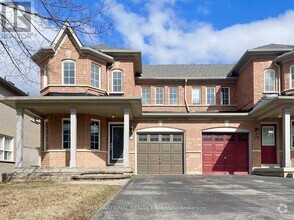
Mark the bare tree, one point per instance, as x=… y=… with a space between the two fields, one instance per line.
x=19 y=43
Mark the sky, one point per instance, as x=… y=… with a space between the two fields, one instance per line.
x=194 y=31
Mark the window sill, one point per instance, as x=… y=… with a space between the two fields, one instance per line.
x=6 y=161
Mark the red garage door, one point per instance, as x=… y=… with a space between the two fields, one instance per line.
x=225 y=153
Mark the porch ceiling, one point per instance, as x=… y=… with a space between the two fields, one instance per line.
x=103 y=106
x=274 y=108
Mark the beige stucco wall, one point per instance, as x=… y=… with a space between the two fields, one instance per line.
x=31 y=134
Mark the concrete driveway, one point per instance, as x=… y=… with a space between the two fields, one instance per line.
x=203 y=197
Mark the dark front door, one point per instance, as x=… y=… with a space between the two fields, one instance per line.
x=268 y=145
x=116 y=143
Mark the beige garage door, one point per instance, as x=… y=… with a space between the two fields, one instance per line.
x=160 y=153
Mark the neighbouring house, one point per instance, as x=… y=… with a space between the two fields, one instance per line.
x=99 y=107
x=8 y=121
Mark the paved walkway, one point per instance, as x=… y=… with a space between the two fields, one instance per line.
x=203 y=197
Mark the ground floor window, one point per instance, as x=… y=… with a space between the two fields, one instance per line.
x=268 y=135
x=95 y=133
x=6 y=148
x=66 y=134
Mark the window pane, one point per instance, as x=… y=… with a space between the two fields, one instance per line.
x=196 y=96
x=1 y=142
x=177 y=138
x=218 y=137
x=7 y=144
x=146 y=95
x=95 y=135
x=117 y=81
x=1 y=155
x=225 y=96
x=210 y=96
x=69 y=72
x=159 y=93
x=292 y=76
x=269 y=80
x=142 y=137
x=173 y=95
x=268 y=135
x=207 y=137
x=66 y=134
x=95 y=72
x=230 y=138
x=154 y=137
x=165 y=137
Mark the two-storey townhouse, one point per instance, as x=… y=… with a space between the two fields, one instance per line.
x=31 y=136
x=100 y=107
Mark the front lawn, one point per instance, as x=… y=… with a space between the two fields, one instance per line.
x=46 y=200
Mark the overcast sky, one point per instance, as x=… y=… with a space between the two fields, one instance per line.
x=195 y=31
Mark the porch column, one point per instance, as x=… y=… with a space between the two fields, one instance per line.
x=126 y=136
x=287 y=137
x=73 y=137
x=19 y=138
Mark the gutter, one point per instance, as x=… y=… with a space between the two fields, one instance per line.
x=185 y=96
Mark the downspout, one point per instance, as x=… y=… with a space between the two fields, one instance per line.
x=279 y=77
x=185 y=96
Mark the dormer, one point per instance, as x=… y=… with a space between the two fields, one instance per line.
x=68 y=67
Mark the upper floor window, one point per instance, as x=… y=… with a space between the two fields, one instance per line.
x=173 y=95
x=95 y=75
x=66 y=134
x=210 y=95
x=95 y=135
x=269 y=80
x=291 y=77
x=69 y=72
x=145 y=95
x=196 y=96
x=117 y=81
x=6 y=148
x=159 y=95
x=225 y=96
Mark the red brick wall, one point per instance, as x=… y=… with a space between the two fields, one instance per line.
x=285 y=75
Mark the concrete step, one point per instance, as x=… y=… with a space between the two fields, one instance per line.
x=106 y=172
x=101 y=176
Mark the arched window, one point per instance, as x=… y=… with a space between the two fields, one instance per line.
x=117 y=81
x=68 y=72
x=269 y=80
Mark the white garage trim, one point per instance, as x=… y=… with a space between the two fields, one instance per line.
x=159 y=129
x=235 y=130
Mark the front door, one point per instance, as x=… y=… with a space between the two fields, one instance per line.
x=116 y=143
x=268 y=145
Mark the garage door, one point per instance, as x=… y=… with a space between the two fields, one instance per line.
x=225 y=153
x=160 y=153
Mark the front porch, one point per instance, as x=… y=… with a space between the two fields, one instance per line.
x=277 y=116
x=78 y=132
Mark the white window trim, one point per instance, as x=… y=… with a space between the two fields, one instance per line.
x=99 y=78
x=72 y=61
x=169 y=88
x=63 y=119
x=12 y=148
x=214 y=95
x=149 y=94
x=45 y=76
x=268 y=126
x=200 y=98
x=99 y=137
x=122 y=88
x=229 y=95
x=290 y=78
x=275 y=78
x=292 y=148
x=44 y=133
x=156 y=98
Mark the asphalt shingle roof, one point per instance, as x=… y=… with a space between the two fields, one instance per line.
x=107 y=47
x=196 y=71
x=275 y=47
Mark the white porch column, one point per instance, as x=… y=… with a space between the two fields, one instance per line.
x=287 y=137
x=126 y=136
x=73 y=137
x=19 y=138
